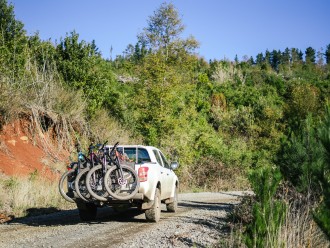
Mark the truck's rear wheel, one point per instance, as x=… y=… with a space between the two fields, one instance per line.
x=173 y=206
x=153 y=214
x=87 y=211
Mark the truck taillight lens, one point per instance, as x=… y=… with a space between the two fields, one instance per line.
x=143 y=174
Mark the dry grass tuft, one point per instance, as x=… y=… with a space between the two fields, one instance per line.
x=20 y=195
x=299 y=229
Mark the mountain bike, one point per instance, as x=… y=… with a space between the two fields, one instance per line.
x=68 y=178
x=80 y=182
x=67 y=181
x=119 y=181
x=95 y=176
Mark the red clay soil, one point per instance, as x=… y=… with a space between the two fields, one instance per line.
x=19 y=156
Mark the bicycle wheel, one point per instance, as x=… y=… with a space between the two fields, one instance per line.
x=80 y=185
x=67 y=181
x=95 y=185
x=121 y=188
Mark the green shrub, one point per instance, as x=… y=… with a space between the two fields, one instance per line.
x=268 y=213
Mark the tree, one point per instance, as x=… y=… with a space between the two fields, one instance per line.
x=259 y=59
x=42 y=52
x=327 y=55
x=275 y=58
x=310 y=55
x=163 y=27
x=236 y=59
x=296 y=55
x=267 y=57
x=13 y=42
x=75 y=58
x=251 y=61
x=164 y=30
x=320 y=57
x=322 y=214
x=286 y=56
x=82 y=68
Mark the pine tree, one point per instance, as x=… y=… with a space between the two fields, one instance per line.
x=327 y=55
x=267 y=57
x=310 y=55
x=275 y=58
x=259 y=59
x=286 y=56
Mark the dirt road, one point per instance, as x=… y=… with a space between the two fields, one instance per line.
x=197 y=223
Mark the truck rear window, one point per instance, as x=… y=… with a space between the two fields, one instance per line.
x=131 y=153
x=143 y=156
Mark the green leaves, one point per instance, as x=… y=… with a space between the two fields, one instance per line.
x=163 y=33
x=13 y=43
x=268 y=213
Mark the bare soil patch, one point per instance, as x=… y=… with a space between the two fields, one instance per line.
x=20 y=154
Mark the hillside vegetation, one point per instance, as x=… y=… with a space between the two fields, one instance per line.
x=261 y=123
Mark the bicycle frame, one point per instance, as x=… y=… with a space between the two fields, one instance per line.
x=113 y=156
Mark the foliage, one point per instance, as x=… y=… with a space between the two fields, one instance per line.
x=300 y=159
x=13 y=43
x=322 y=214
x=219 y=119
x=82 y=68
x=164 y=30
x=268 y=213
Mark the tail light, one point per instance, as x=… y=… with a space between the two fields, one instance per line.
x=143 y=174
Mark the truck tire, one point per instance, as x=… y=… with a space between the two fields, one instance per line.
x=173 y=206
x=87 y=211
x=153 y=214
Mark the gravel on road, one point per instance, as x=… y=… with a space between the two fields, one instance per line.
x=197 y=223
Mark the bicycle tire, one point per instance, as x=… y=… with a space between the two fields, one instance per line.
x=80 y=185
x=122 y=192
x=93 y=184
x=66 y=178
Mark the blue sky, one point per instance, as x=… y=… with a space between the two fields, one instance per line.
x=224 y=28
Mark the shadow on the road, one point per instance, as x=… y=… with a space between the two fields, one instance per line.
x=54 y=217
x=71 y=217
x=239 y=195
x=207 y=205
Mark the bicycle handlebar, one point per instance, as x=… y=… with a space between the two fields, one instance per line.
x=91 y=146
x=114 y=147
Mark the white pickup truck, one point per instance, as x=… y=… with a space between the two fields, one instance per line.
x=158 y=184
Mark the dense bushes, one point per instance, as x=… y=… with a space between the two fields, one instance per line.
x=221 y=119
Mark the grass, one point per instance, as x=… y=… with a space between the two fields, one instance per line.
x=19 y=196
x=297 y=230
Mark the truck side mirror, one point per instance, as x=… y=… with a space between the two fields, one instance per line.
x=174 y=165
